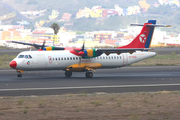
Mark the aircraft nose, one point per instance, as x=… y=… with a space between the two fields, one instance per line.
x=13 y=64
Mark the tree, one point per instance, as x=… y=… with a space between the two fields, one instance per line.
x=56 y=28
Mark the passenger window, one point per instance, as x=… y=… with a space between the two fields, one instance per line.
x=21 y=56
x=70 y=58
x=73 y=58
x=64 y=58
x=53 y=59
x=61 y=58
x=76 y=58
x=56 y=58
x=67 y=58
x=114 y=57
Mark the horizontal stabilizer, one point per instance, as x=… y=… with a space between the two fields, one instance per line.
x=151 y=25
x=159 y=25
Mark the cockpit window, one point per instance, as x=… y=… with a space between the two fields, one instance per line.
x=26 y=56
x=30 y=56
x=21 y=56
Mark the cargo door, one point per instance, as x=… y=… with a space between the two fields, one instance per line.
x=125 y=58
x=41 y=61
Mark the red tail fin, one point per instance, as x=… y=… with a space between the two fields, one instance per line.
x=143 y=40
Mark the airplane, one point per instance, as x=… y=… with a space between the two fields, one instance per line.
x=86 y=60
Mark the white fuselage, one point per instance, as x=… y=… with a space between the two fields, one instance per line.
x=60 y=60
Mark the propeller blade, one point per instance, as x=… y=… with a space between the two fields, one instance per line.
x=43 y=45
x=82 y=49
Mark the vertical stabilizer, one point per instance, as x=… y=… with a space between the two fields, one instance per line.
x=143 y=40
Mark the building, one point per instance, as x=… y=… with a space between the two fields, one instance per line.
x=11 y=33
x=102 y=36
x=66 y=16
x=54 y=15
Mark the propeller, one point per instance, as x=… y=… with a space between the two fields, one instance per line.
x=82 y=50
x=81 y=53
x=43 y=45
x=41 y=49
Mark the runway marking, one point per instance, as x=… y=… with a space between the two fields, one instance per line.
x=91 y=87
x=8 y=70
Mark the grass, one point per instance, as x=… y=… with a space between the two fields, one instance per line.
x=107 y=106
x=41 y=104
x=97 y=103
x=25 y=111
x=119 y=103
x=5 y=60
x=20 y=101
x=145 y=100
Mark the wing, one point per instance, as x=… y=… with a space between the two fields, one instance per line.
x=38 y=46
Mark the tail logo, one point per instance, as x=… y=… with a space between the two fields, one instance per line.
x=142 y=38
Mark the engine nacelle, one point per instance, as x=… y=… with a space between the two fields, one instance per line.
x=48 y=48
x=52 y=48
x=90 y=53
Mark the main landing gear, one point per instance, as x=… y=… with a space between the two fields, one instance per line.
x=68 y=73
x=87 y=74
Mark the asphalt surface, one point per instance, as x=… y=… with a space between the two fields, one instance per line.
x=126 y=79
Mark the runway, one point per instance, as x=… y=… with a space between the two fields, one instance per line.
x=126 y=79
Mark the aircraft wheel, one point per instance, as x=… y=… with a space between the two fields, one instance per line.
x=19 y=75
x=89 y=74
x=68 y=73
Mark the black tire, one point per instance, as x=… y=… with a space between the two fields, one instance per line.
x=68 y=73
x=89 y=74
x=19 y=75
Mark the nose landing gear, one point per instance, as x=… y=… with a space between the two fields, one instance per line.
x=19 y=75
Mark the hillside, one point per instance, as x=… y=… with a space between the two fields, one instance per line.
x=3 y=10
x=164 y=14
x=70 y=6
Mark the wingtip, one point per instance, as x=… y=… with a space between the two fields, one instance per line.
x=168 y=25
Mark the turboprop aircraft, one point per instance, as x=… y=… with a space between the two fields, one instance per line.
x=86 y=60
